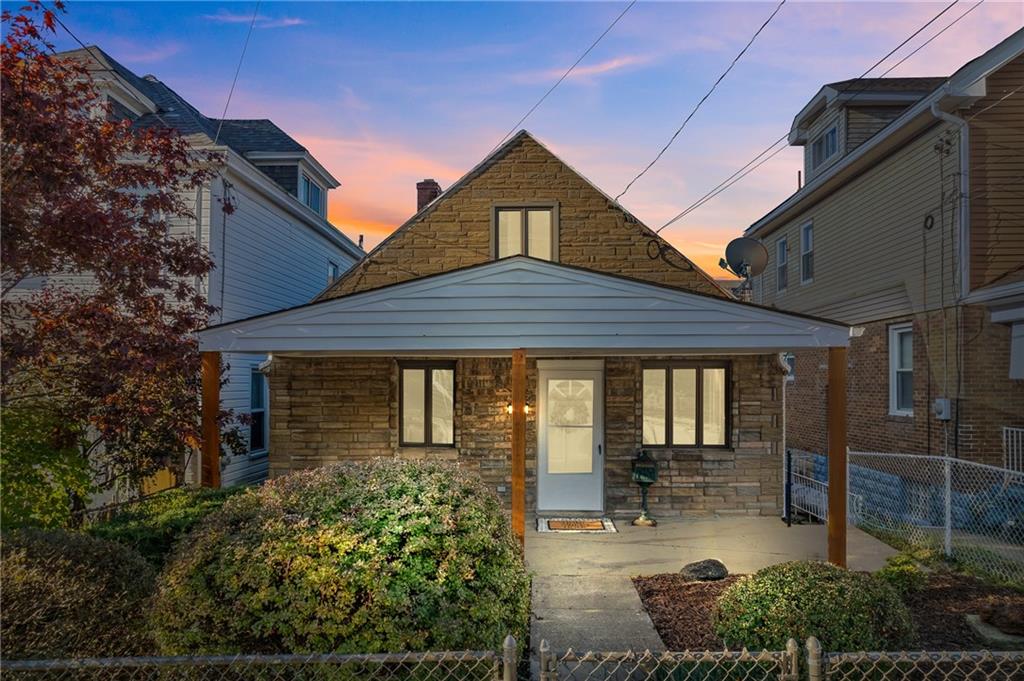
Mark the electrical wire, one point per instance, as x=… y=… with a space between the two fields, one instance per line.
x=238 y=70
x=702 y=100
x=718 y=189
x=564 y=76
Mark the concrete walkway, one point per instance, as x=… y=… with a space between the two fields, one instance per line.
x=583 y=596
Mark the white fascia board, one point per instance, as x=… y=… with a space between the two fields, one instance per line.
x=966 y=84
x=813 y=108
x=406 y=318
x=243 y=169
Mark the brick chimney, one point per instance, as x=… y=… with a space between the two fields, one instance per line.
x=426 y=191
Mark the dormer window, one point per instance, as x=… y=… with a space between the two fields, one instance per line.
x=825 y=146
x=526 y=230
x=312 y=194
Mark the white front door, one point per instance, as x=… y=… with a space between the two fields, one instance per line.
x=570 y=435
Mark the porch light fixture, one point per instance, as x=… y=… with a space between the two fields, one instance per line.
x=508 y=408
x=645 y=474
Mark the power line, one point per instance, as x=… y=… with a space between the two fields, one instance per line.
x=564 y=76
x=238 y=70
x=702 y=100
x=718 y=189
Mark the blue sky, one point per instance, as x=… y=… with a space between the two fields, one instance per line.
x=385 y=94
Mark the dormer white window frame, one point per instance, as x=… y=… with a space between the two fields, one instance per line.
x=317 y=205
x=829 y=146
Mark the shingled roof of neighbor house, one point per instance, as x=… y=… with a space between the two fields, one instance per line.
x=923 y=85
x=241 y=135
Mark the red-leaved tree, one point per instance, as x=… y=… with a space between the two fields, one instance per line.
x=100 y=295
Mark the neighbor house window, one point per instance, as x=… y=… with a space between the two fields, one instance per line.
x=901 y=369
x=332 y=271
x=258 y=423
x=824 y=146
x=781 y=264
x=426 y=404
x=686 y=404
x=807 y=253
x=526 y=230
x=311 y=194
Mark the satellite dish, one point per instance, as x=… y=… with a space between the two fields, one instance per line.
x=746 y=257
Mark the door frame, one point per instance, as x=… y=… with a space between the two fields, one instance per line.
x=558 y=366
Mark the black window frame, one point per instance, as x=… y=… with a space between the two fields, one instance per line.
x=523 y=209
x=428 y=416
x=700 y=365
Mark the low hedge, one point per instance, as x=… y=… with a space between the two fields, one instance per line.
x=844 y=610
x=71 y=595
x=376 y=557
x=152 y=525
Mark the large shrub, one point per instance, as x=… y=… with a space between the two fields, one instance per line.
x=844 y=610
x=71 y=595
x=373 y=557
x=152 y=526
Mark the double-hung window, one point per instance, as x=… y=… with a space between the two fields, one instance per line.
x=311 y=194
x=807 y=253
x=686 y=404
x=332 y=271
x=901 y=369
x=426 y=404
x=824 y=146
x=258 y=423
x=781 y=264
x=529 y=230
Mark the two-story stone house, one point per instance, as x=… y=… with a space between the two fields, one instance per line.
x=273 y=249
x=524 y=325
x=910 y=228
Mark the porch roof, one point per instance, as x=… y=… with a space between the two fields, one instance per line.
x=520 y=302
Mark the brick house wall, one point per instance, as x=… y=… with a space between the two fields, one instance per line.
x=325 y=410
x=988 y=398
x=455 y=231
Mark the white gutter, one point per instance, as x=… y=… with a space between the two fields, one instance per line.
x=965 y=194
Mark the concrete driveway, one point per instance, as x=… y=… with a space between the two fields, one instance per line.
x=583 y=597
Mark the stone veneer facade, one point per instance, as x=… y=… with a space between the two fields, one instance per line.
x=328 y=409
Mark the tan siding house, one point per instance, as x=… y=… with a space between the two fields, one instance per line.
x=917 y=239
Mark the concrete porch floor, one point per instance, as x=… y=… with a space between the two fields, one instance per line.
x=583 y=597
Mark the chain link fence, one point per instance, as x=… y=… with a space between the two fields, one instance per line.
x=810 y=663
x=971 y=513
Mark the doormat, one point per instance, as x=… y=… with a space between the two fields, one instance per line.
x=579 y=525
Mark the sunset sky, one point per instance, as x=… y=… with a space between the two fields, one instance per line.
x=385 y=94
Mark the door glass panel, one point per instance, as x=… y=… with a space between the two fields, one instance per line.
x=654 y=406
x=413 y=407
x=714 y=406
x=441 y=409
x=684 y=406
x=510 y=233
x=570 y=426
x=538 y=239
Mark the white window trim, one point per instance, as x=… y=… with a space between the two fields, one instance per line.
x=821 y=138
x=894 y=332
x=781 y=263
x=319 y=210
x=804 y=251
x=266 y=414
x=333 y=271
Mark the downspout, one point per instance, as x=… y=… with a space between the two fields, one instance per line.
x=785 y=379
x=964 y=251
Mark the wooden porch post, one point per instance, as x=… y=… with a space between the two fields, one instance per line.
x=837 y=456
x=519 y=445
x=210 y=469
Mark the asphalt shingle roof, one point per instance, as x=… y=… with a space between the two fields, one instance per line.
x=911 y=85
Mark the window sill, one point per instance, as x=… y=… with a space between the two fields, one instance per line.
x=900 y=416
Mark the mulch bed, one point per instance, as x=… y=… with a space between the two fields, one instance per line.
x=681 y=610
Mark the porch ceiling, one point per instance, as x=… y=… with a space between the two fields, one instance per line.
x=542 y=307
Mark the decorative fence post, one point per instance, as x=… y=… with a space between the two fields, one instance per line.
x=791 y=667
x=814 y=670
x=547 y=662
x=948 y=520
x=509 y=659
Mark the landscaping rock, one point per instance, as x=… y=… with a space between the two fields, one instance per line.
x=709 y=570
x=1005 y=616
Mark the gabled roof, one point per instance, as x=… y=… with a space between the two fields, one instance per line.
x=520 y=302
x=494 y=157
